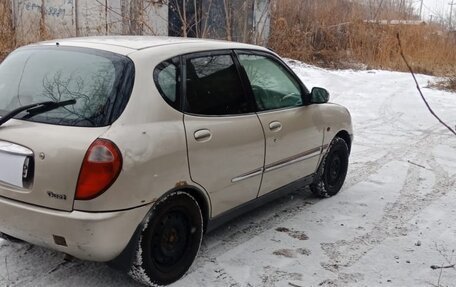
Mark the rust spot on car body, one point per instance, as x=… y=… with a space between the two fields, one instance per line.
x=181 y=183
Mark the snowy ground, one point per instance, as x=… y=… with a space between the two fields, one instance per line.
x=393 y=220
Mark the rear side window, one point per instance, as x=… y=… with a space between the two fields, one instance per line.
x=100 y=82
x=214 y=87
x=166 y=76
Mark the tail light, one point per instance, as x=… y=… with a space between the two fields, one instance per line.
x=100 y=168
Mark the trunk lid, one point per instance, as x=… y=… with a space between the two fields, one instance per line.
x=40 y=163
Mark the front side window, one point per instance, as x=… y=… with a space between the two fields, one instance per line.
x=95 y=80
x=214 y=87
x=272 y=85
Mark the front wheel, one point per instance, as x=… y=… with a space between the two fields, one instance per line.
x=170 y=240
x=332 y=171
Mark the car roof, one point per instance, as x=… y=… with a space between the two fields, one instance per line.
x=128 y=44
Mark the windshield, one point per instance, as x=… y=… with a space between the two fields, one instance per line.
x=100 y=82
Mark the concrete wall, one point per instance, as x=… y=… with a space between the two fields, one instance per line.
x=262 y=21
x=34 y=21
x=39 y=19
x=249 y=20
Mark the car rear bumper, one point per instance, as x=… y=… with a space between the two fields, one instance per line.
x=85 y=235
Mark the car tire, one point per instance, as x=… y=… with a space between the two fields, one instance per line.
x=170 y=240
x=332 y=171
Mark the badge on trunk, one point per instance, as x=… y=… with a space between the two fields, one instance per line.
x=56 y=195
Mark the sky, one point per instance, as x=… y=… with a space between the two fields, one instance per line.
x=437 y=8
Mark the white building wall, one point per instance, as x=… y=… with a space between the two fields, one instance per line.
x=31 y=16
x=157 y=18
x=91 y=17
x=38 y=19
x=262 y=21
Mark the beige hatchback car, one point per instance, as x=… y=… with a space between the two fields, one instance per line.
x=127 y=149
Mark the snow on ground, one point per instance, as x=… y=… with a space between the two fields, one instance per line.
x=392 y=221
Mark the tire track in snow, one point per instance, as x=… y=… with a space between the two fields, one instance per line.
x=404 y=152
x=396 y=218
x=252 y=224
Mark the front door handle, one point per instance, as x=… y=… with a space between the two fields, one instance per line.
x=275 y=126
x=203 y=135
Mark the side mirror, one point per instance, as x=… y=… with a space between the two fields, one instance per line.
x=319 y=96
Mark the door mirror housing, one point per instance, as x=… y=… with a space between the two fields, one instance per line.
x=319 y=96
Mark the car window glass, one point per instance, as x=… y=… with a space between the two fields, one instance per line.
x=272 y=85
x=214 y=87
x=93 y=79
x=166 y=77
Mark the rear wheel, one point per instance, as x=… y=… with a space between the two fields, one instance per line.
x=170 y=240
x=332 y=171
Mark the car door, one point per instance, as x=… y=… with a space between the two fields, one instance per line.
x=293 y=135
x=224 y=135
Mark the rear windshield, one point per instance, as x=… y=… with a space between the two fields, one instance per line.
x=99 y=81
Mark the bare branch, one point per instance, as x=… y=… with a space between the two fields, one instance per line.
x=434 y=267
x=419 y=89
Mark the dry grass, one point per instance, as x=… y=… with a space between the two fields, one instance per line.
x=448 y=84
x=333 y=33
x=451 y=84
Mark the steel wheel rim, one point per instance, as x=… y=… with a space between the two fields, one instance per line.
x=335 y=170
x=171 y=240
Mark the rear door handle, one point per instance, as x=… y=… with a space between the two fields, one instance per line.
x=275 y=126
x=203 y=135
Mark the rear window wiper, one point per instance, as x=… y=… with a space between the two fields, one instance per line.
x=35 y=109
